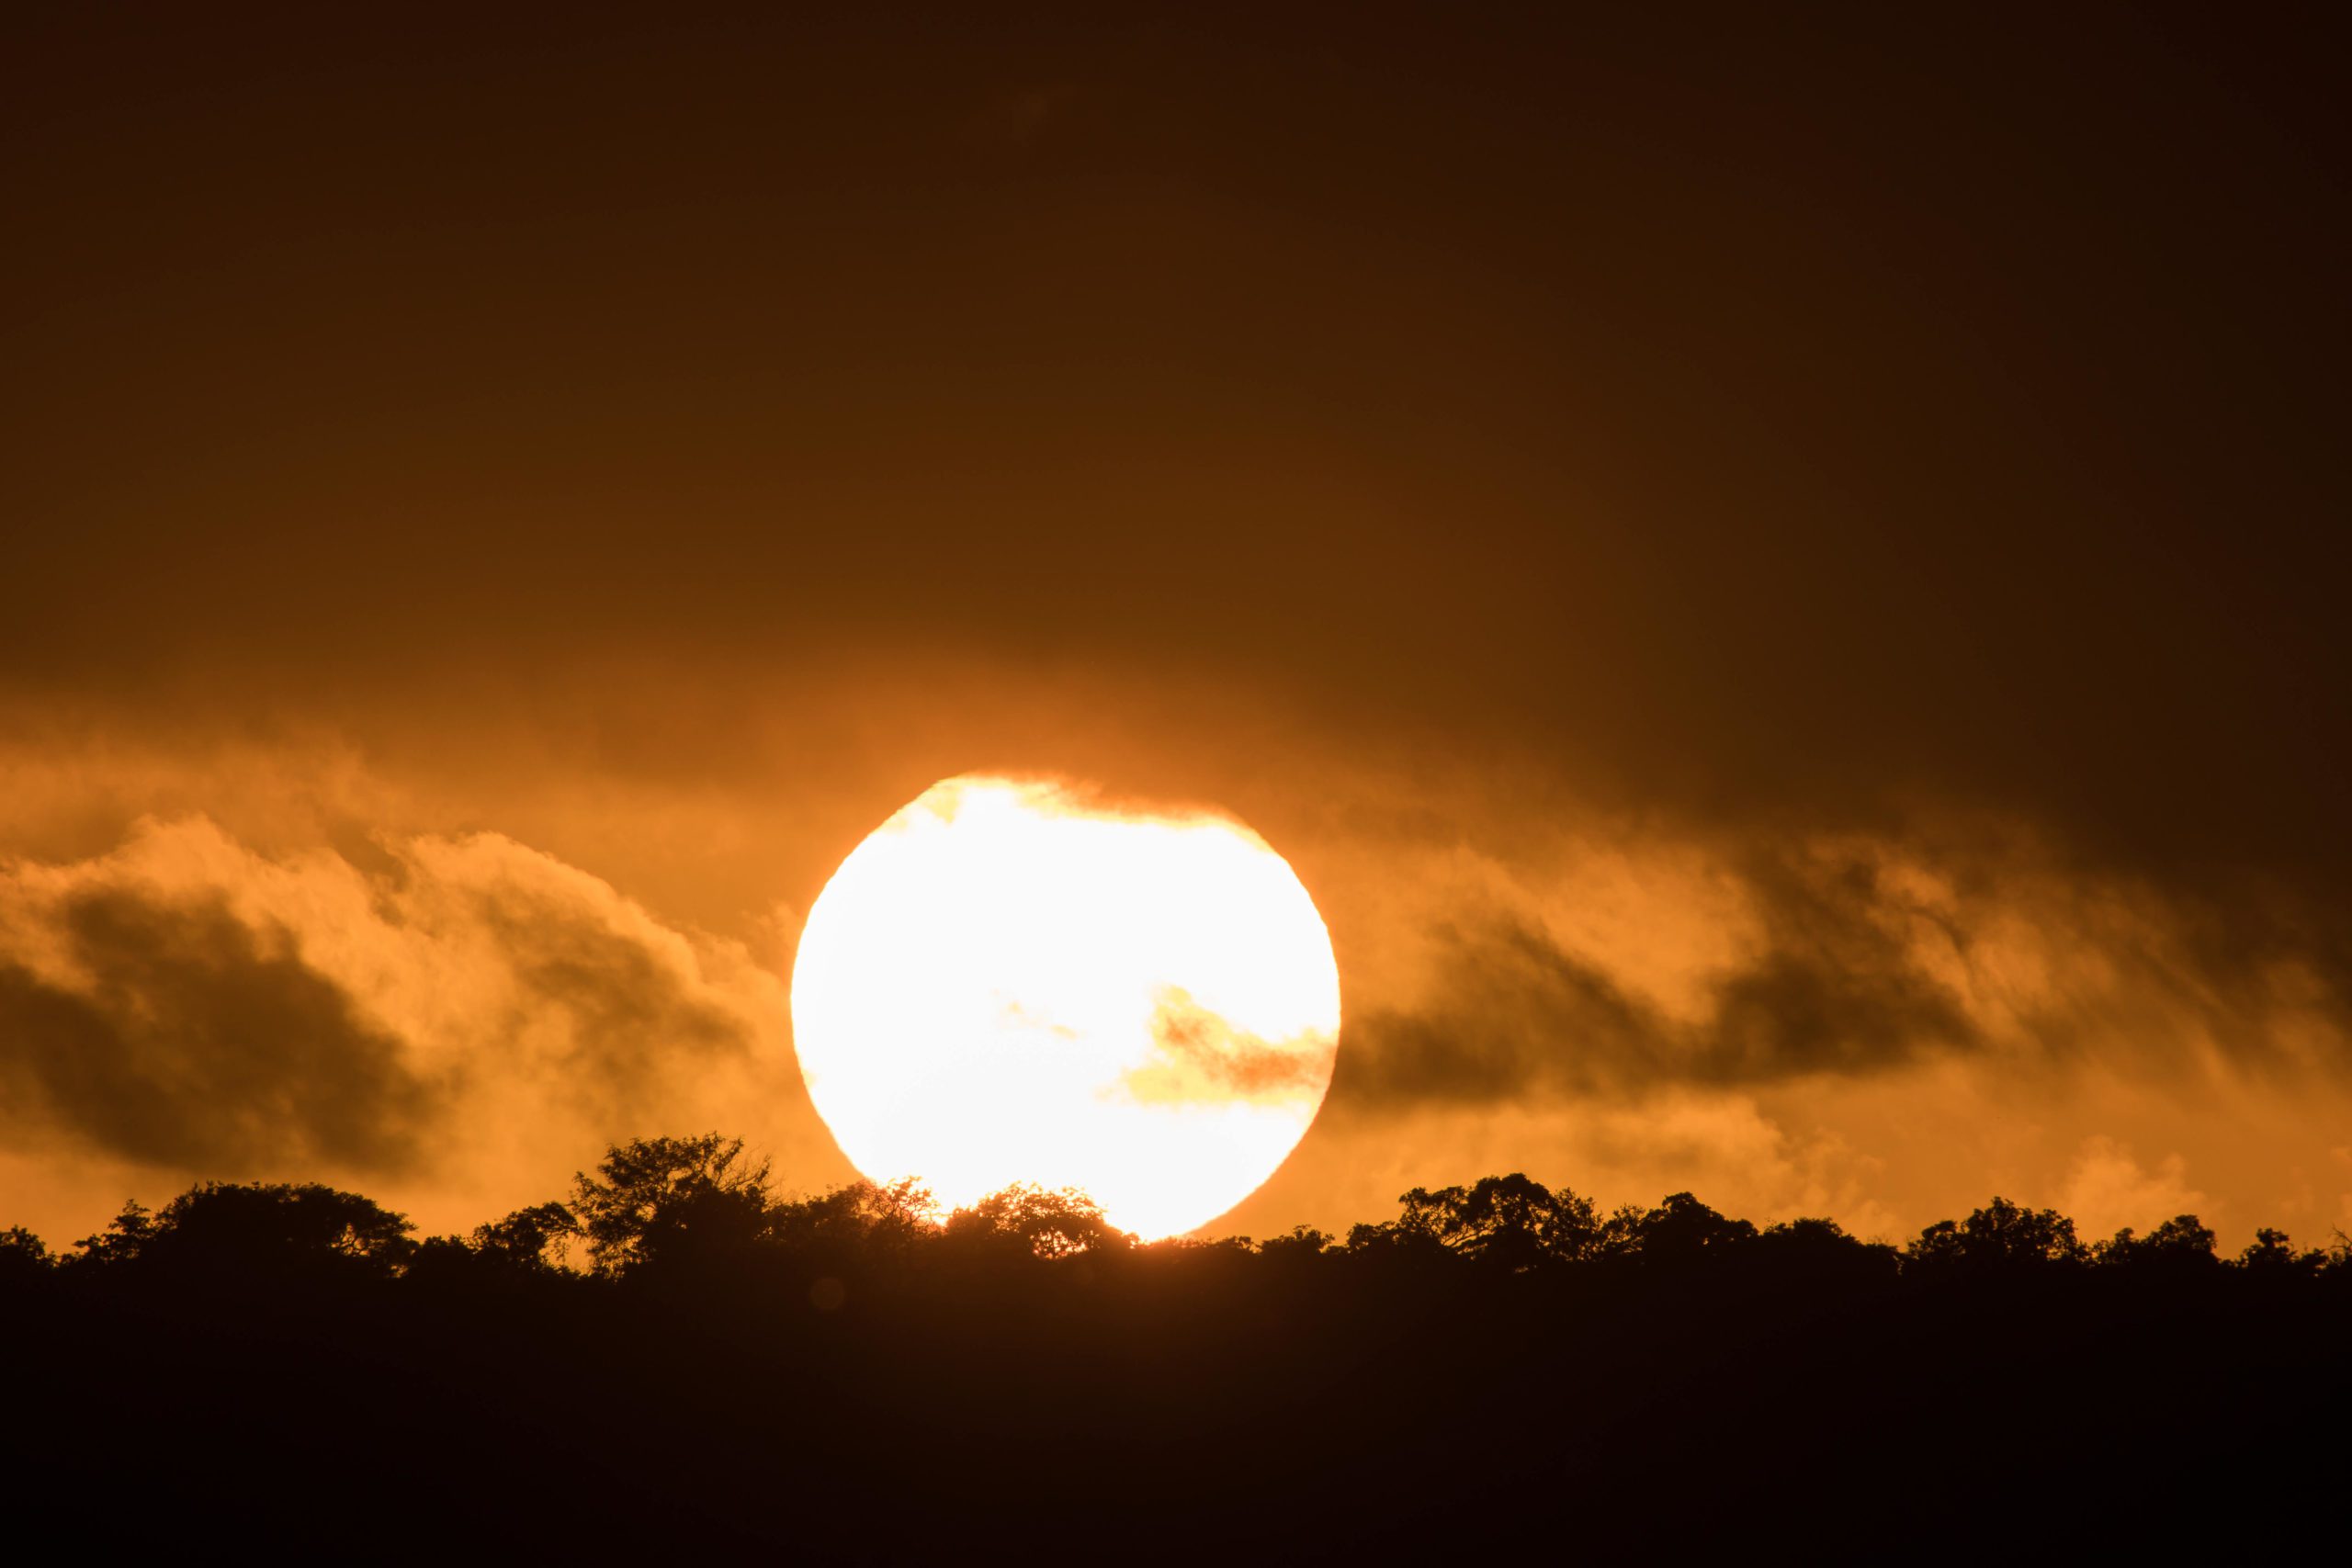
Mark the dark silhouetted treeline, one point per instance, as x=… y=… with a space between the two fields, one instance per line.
x=676 y=1356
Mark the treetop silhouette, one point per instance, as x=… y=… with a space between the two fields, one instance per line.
x=675 y=1347
x=683 y=1207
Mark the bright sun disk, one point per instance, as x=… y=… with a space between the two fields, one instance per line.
x=1007 y=983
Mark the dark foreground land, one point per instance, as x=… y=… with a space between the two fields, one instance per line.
x=676 y=1362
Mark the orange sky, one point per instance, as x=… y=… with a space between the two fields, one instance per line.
x=1770 y=579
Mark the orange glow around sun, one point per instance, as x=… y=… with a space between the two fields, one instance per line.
x=1007 y=983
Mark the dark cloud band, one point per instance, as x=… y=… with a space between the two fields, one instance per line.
x=203 y=1043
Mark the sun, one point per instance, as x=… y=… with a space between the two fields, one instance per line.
x=1008 y=982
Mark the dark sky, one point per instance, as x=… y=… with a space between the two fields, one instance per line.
x=1653 y=514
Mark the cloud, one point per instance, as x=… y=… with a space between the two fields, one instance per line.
x=195 y=1040
x=1513 y=1015
x=616 y=1004
x=2107 y=1189
x=465 y=1004
x=1844 y=956
x=1199 y=1058
x=1531 y=980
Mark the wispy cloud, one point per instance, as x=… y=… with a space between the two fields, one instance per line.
x=185 y=1003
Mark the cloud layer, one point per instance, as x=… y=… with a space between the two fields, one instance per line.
x=177 y=1034
x=1845 y=956
x=465 y=1007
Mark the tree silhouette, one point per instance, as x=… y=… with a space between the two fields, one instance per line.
x=528 y=1245
x=862 y=1220
x=1679 y=1232
x=1394 y=1244
x=24 y=1256
x=2001 y=1235
x=1300 y=1243
x=2272 y=1253
x=122 y=1239
x=674 y=1201
x=228 y=1230
x=2181 y=1243
x=529 y=1239
x=1041 y=1223
x=1510 y=1222
x=852 y=1372
x=1820 y=1249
